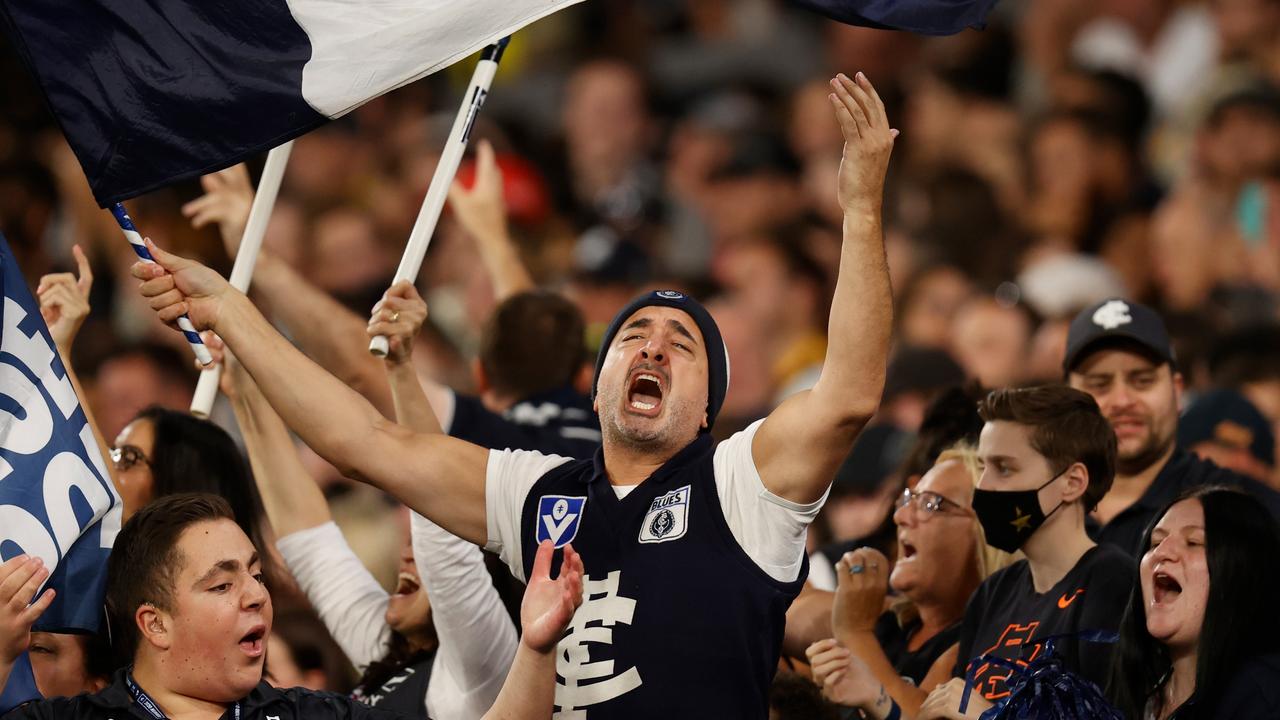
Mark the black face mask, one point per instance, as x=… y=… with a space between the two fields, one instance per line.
x=1010 y=517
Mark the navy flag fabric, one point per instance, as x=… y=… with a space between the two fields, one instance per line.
x=927 y=17
x=56 y=497
x=150 y=92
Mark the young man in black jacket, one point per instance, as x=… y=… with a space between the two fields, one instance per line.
x=185 y=595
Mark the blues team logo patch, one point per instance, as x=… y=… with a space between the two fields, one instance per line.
x=558 y=518
x=668 y=517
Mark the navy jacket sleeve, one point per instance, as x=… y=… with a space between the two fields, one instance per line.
x=476 y=424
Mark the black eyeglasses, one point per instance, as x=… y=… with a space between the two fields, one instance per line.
x=928 y=503
x=128 y=456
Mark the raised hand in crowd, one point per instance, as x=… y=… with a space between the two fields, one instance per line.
x=64 y=301
x=399 y=316
x=548 y=605
x=846 y=680
x=227 y=200
x=868 y=143
x=175 y=286
x=20 y=578
x=64 y=305
x=862 y=586
x=481 y=210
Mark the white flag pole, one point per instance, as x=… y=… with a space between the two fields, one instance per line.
x=264 y=201
x=450 y=157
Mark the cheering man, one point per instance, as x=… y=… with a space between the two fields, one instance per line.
x=692 y=552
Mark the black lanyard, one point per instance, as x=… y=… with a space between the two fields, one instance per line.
x=141 y=697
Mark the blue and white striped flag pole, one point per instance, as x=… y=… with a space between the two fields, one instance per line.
x=184 y=323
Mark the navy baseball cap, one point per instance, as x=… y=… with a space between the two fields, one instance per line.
x=1227 y=418
x=1117 y=322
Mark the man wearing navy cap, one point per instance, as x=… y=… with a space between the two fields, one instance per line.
x=1120 y=353
x=692 y=551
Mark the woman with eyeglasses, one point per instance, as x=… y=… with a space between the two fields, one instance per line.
x=896 y=656
x=160 y=452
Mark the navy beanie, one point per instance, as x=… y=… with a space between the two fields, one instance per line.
x=717 y=356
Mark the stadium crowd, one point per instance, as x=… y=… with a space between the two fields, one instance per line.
x=948 y=387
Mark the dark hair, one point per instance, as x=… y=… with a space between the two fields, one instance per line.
x=533 y=342
x=1066 y=427
x=794 y=697
x=951 y=418
x=191 y=455
x=145 y=561
x=1242 y=548
x=400 y=654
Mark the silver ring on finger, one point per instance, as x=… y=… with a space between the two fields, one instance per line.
x=856 y=569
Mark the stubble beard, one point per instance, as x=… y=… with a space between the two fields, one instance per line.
x=1152 y=449
x=658 y=438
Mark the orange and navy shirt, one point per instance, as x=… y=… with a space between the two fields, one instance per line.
x=1007 y=618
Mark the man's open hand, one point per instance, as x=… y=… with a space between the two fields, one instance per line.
x=868 y=142
x=548 y=604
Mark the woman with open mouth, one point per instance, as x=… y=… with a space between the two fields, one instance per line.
x=1201 y=638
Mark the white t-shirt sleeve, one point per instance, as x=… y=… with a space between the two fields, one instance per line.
x=477 y=639
x=770 y=529
x=509 y=476
x=344 y=594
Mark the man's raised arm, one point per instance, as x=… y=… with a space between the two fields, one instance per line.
x=440 y=477
x=803 y=441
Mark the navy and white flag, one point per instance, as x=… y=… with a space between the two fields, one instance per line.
x=56 y=497
x=927 y=17
x=149 y=92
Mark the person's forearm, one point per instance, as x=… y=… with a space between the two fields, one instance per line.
x=477 y=638
x=323 y=328
x=440 y=477
x=865 y=645
x=853 y=372
x=505 y=267
x=290 y=495
x=530 y=690
x=882 y=707
x=413 y=408
x=103 y=447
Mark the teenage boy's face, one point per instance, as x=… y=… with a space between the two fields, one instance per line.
x=216 y=632
x=1010 y=463
x=1138 y=397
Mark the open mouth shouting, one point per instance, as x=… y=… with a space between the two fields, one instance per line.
x=254 y=641
x=1165 y=589
x=908 y=551
x=407 y=584
x=644 y=393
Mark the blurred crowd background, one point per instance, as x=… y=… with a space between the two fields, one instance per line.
x=1074 y=150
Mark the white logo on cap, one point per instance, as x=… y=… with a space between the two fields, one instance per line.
x=670 y=295
x=1112 y=315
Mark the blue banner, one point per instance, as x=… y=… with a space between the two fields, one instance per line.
x=56 y=497
x=926 y=17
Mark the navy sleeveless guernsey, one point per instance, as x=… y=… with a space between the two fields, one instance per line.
x=677 y=620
